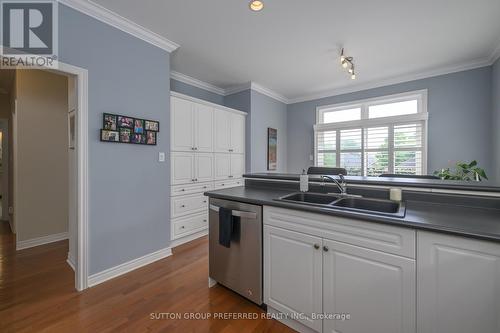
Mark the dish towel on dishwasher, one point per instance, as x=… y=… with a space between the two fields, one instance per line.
x=225 y=226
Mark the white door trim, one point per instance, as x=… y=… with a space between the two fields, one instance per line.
x=82 y=143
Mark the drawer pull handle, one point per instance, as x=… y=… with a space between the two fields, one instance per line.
x=182 y=189
x=316 y=246
x=325 y=248
x=204 y=201
x=182 y=206
x=204 y=220
x=182 y=227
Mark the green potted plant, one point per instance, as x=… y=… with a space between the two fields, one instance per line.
x=463 y=171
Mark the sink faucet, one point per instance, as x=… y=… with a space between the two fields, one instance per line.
x=342 y=185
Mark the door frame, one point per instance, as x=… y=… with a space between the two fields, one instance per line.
x=4 y=124
x=82 y=144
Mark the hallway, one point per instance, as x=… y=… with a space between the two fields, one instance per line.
x=37 y=294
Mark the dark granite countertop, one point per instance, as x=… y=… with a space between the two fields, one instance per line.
x=477 y=222
x=484 y=186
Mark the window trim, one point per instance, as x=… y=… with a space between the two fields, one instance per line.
x=421 y=116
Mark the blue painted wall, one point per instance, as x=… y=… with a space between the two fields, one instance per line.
x=496 y=119
x=267 y=112
x=129 y=188
x=459 y=107
x=196 y=92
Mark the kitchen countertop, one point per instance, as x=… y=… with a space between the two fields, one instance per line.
x=483 y=186
x=482 y=223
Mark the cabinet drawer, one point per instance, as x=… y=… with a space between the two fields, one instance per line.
x=376 y=236
x=191 y=189
x=187 y=204
x=189 y=225
x=229 y=183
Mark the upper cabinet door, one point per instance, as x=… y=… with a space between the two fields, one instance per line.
x=458 y=284
x=181 y=126
x=204 y=128
x=182 y=168
x=222 y=131
x=293 y=273
x=375 y=288
x=237 y=133
x=204 y=166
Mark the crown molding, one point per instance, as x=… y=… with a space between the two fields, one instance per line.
x=111 y=18
x=495 y=55
x=196 y=83
x=237 y=88
x=268 y=92
x=394 y=80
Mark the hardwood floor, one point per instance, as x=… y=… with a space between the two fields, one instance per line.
x=37 y=295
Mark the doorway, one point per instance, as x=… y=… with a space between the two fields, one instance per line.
x=76 y=143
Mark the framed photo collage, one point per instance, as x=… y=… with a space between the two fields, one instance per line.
x=124 y=129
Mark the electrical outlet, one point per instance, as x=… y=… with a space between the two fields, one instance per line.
x=161 y=157
x=11 y=210
x=311 y=158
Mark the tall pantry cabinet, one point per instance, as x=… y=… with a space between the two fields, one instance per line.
x=207 y=151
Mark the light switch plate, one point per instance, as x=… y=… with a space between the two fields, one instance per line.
x=161 y=157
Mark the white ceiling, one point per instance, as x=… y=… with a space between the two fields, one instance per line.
x=292 y=47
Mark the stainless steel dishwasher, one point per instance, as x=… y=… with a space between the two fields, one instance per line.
x=238 y=267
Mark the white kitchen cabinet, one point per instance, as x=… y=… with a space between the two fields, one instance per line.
x=203 y=128
x=182 y=168
x=182 y=125
x=458 y=283
x=198 y=130
x=293 y=274
x=204 y=167
x=189 y=168
x=376 y=289
x=229 y=166
x=191 y=126
x=237 y=142
x=222 y=131
x=237 y=165
x=222 y=166
x=188 y=204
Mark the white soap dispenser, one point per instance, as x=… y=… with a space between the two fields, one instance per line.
x=304 y=181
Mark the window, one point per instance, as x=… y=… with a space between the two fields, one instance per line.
x=376 y=136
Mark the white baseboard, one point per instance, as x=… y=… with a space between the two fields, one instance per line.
x=126 y=267
x=71 y=261
x=186 y=239
x=25 y=244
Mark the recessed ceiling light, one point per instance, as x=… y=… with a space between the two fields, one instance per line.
x=256 y=5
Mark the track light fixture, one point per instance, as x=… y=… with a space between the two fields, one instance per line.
x=348 y=63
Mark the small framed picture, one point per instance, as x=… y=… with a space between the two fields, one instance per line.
x=138 y=138
x=125 y=135
x=151 y=138
x=138 y=126
x=125 y=122
x=71 y=129
x=151 y=125
x=109 y=122
x=110 y=136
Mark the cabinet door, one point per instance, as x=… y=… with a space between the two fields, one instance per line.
x=222 y=166
x=237 y=133
x=293 y=273
x=237 y=165
x=204 y=128
x=204 y=166
x=222 y=131
x=458 y=284
x=376 y=289
x=182 y=168
x=181 y=126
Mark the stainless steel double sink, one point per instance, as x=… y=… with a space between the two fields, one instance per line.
x=348 y=203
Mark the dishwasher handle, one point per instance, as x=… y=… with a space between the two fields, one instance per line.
x=239 y=213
